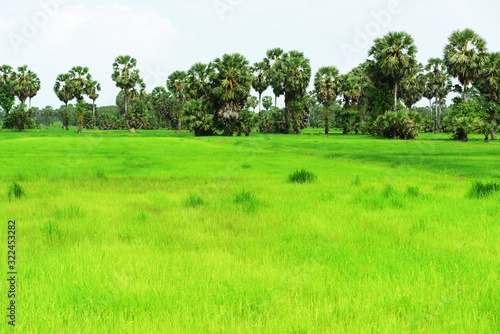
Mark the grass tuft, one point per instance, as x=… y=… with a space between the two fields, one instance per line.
x=15 y=191
x=481 y=190
x=195 y=201
x=412 y=192
x=301 y=176
x=247 y=200
x=52 y=231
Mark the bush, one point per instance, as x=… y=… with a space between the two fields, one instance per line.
x=15 y=191
x=301 y=176
x=480 y=189
x=194 y=201
x=397 y=125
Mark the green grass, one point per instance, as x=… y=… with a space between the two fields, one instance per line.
x=158 y=232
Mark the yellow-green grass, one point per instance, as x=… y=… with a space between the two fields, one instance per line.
x=157 y=232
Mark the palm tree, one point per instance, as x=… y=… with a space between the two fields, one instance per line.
x=64 y=92
x=176 y=83
x=198 y=85
x=275 y=75
x=267 y=102
x=260 y=81
x=437 y=86
x=7 y=97
x=232 y=81
x=296 y=71
x=393 y=60
x=93 y=89
x=25 y=85
x=412 y=87
x=464 y=56
x=489 y=85
x=327 y=87
x=81 y=80
x=126 y=76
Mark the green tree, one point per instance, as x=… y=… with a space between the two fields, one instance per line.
x=231 y=81
x=25 y=84
x=198 y=84
x=176 y=84
x=260 y=81
x=296 y=71
x=198 y=117
x=7 y=97
x=412 y=87
x=327 y=86
x=163 y=104
x=252 y=102
x=275 y=74
x=489 y=85
x=437 y=86
x=465 y=56
x=80 y=84
x=64 y=93
x=393 y=60
x=126 y=77
x=93 y=93
x=267 y=102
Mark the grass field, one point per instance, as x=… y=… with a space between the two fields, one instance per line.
x=157 y=232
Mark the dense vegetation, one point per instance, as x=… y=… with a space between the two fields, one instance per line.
x=214 y=98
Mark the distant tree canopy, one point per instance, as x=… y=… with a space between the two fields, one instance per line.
x=215 y=97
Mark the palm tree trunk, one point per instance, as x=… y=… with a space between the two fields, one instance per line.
x=464 y=93
x=260 y=101
x=125 y=101
x=493 y=122
x=93 y=114
x=436 y=116
x=395 y=97
x=66 y=118
x=275 y=100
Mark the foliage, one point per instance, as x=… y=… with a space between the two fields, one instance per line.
x=15 y=191
x=301 y=176
x=481 y=190
x=398 y=125
x=247 y=121
x=198 y=117
x=464 y=118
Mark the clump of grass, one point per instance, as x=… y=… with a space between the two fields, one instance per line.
x=301 y=176
x=356 y=181
x=480 y=189
x=388 y=191
x=246 y=166
x=412 y=192
x=100 y=175
x=247 y=200
x=15 y=191
x=195 y=201
x=52 y=231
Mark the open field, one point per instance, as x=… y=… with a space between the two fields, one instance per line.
x=157 y=232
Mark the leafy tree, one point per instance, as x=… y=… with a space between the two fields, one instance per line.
x=163 y=104
x=327 y=86
x=393 y=61
x=25 y=85
x=412 y=87
x=198 y=117
x=489 y=85
x=7 y=97
x=260 y=81
x=252 y=103
x=176 y=84
x=267 y=102
x=80 y=85
x=127 y=77
x=246 y=122
x=465 y=56
x=232 y=81
x=198 y=84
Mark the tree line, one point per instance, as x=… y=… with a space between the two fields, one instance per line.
x=377 y=97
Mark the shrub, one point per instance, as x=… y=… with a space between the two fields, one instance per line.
x=15 y=191
x=194 y=201
x=247 y=200
x=480 y=189
x=301 y=176
x=398 y=125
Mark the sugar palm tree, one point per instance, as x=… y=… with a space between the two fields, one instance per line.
x=176 y=84
x=198 y=85
x=464 y=57
x=393 y=60
x=232 y=80
x=7 y=96
x=489 y=85
x=260 y=80
x=275 y=75
x=64 y=91
x=126 y=77
x=296 y=72
x=93 y=93
x=327 y=86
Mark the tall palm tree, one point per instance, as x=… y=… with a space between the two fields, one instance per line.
x=296 y=71
x=464 y=56
x=489 y=85
x=64 y=91
x=126 y=77
x=275 y=75
x=438 y=86
x=198 y=85
x=260 y=80
x=7 y=97
x=93 y=93
x=232 y=81
x=80 y=84
x=176 y=84
x=34 y=86
x=21 y=85
x=393 y=60
x=412 y=87
x=327 y=86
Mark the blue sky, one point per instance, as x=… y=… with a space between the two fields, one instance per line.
x=51 y=36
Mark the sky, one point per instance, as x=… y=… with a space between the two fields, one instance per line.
x=52 y=36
